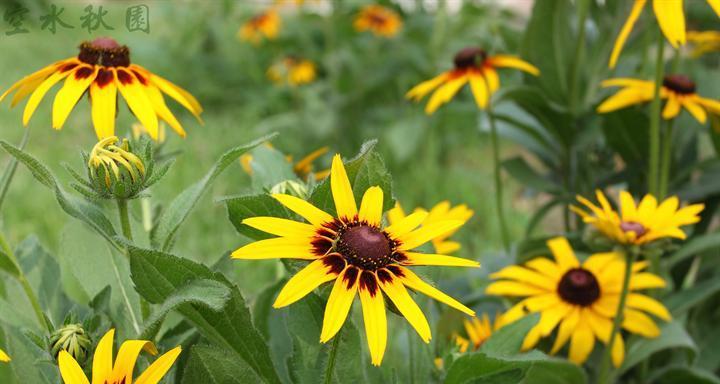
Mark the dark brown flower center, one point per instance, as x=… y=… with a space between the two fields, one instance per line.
x=631 y=226
x=679 y=84
x=365 y=247
x=104 y=51
x=579 y=286
x=469 y=57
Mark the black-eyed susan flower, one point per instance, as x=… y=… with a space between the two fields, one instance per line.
x=4 y=356
x=265 y=25
x=360 y=255
x=105 y=372
x=678 y=90
x=102 y=68
x=670 y=16
x=641 y=223
x=474 y=66
x=379 y=20
x=440 y=212
x=292 y=71
x=704 y=42
x=581 y=299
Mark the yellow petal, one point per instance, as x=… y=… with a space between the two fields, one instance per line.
x=445 y=93
x=342 y=190
x=103 y=358
x=671 y=17
x=550 y=317
x=155 y=372
x=430 y=259
x=566 y=329
x=411 y=280
x=426 y=233
x=40 y=92
x=695 y=110
x=648 y=304
x=479 y=90
x=373 y=307
x=339 y=303
x=126 y=357
x=672 y=108
x=103 y=96
x=75 y=86
x=4 y=356
x=638 y=322
x=627 y=206
x=507 y=61
x=280 y=227
x=35 y=78
x=70 y=370
x=419 y=91
x=625 y=98
x=309 y=212
x=138 y=102
x=563 y=253
x=512 y=288
x=280 y=247
x=162 y=110
x=371 y=207
x=546 y=267
x=492 y=80
x=304 y=282
x=581 y=343
x=625 y=31
x=397 y=293
x=402 y=227
x=527 y=276
x=180 y=95
x=531 y=339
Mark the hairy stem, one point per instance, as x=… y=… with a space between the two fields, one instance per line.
x=124 y=218
x=10 y=171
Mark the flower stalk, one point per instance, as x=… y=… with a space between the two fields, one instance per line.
x=666 y=159
x=124 y=218
x=497 y=177
x=654 y=163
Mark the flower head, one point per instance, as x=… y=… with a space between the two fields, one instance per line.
x=292 y=71
x=704 y=42
x=115 y=171
x=263 y=25
x=670 y=16
x=4 y=357
x=581 y=299
x=379 y=20
x=73 y=339
x=440 y=212
x=478 y=331
x=103 y=370
x=678 y=90
x=361 y=256
x=103 y=67
x=472 y=65
x=638 y=224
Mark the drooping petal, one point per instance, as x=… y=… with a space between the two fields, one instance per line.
x=74 y=87
x=180 y=95
x=445 y=93
x=373 y=307
x=397 y=293
x=426 y=233
x=103 y=358
x=625 y=98
x=309 y=212
x=155 y=372
x=280 y=227
x=638 y=322
x=371 y=206
x=411 y=280
x=625 y=31
x=508 y=61
x=492 y=80
x=134 y=94
x=70 y=370
x=671 y=17
x=567 y=326
x=127 y=357
x=407 y=224
x=103 y=96
x=304 y=282
x=419 y=91
x=36 y=78
x=479 y=90
x=342 y=190
x=158 y=104
x=695 y=110
x=648 y=304
x=431 y=259
x=339 y=303
x=277 y=248
x=40 y=92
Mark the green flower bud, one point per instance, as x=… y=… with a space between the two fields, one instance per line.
x=73 y=339
x=291 y=187
x=115 y=171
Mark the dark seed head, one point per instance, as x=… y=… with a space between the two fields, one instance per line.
x=631 y=226
x=579 y=286
x=365 y=246
x=104 y=51
x=469 y=57
x=679 y=84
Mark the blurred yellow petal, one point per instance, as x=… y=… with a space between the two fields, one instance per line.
x=426 y=233
x=672 y=108
x=419 y=91
x=625 y=31
x=445 y=93
x=648 y=304
x=507 y=61
x=479 y=90
x=671 y=17
x=695 y=110
x=406 y=225
x=582 y=343
x=342 y=190
x=563 y=253
x=625 y=98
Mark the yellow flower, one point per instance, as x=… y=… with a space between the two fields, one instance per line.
x=440 y=212
x=292 y=71
x=379 y=20
x=474 y=66
x=477 y=332
x=639 y=224
x=704 y=42
x=138 y=130
x=103 y=370
x=103 y=66
x=110 y=158
x=359 y=255
x=303 y=168
x=263 y=25
x=4 y=357
x=581 y=300
x=678 y=90
x=670 y=17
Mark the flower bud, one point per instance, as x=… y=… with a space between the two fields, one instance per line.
x=291 y=187
x=73 y=339
x=115 y=171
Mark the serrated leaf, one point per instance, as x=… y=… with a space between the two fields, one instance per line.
x=172 y=218
x=216 y=366
x=242 y=207
x=157 y=276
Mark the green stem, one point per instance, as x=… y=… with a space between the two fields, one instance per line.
x=10 y=171
x=666 y=160
x=331 y=359
x=25 y=284
x=653 y=164
x=498 y=178
x=692 y=273
x=124 y=218
x=147 y=213
x=604 y=376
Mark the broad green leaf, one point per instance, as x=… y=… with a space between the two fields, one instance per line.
x=73 y=206
x=508 y=339
x=518 y=168
x=366 y=170
x=159 y=275
x=269 y=167
x=29 y=363
x=681 y=301
x=179 y=209
x=626 y=132
x=216 y=366
x=672 y=335
x=242 y=207
x=683 y=374
x=698 y=244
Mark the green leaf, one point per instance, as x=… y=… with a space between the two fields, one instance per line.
x=7 y=265
x=682 y=301
x=672 y=335
x=518 y=168
x=163 y=234
x=216 y=366
x=626 y=132
x=698 y=244
x=157 y=276
x=682 y=374
x=29 y=364
x=508 y=339
x=534 y=367
x=77 y=208
x=366 y=170
x=242 y=207
x=270 y=167
x=209 y=293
